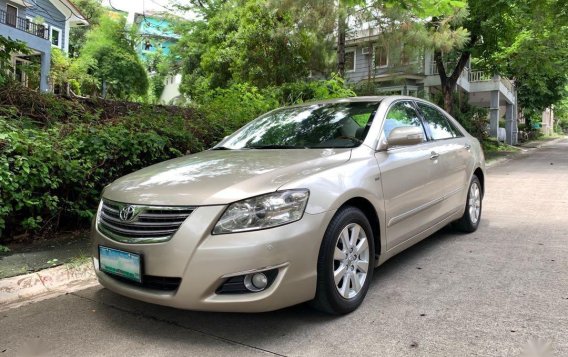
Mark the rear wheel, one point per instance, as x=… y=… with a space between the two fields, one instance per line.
x=469 y=222
x=346 y=262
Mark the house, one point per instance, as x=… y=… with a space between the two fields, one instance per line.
x=156 y=33
x=392 y=69
x=42 y=25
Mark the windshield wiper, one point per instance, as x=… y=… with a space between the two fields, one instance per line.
x=275 y=147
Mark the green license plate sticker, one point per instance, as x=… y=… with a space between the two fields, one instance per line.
x=121 y=263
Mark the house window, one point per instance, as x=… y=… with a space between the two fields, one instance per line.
x=55 y=36
x=11 y=15
x=349 y=61
x=381 y=56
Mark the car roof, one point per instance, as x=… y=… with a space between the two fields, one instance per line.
x=356 y=100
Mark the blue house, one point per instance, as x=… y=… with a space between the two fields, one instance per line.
x=42 y=25
x=157 y=35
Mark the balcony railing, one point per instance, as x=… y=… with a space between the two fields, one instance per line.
x=480 y=76
x=24 y=25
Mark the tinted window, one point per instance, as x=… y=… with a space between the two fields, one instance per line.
x=439 y=125
x=401 y=114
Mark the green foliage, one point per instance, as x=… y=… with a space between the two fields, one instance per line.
x=52 y=173
x=526 y=41
x=232 y=107
x=158 y=65
x=7 y=47
x=244 y=41
x=92 y=10
x=301 y=91
x=109 y=56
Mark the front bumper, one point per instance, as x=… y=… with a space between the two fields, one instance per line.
x=203 y=261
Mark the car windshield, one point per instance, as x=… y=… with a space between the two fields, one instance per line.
x=328 y=125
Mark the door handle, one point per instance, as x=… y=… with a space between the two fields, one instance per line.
x=467 y=147
x=434 y=155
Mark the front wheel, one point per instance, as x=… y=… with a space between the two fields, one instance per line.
x=346 y=262
x=469 y=222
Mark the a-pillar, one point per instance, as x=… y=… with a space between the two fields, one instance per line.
x=494 y=113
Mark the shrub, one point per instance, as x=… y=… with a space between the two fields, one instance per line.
x=52 y=171
x=235 y=106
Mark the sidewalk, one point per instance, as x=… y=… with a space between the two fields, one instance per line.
x=40 y=270
x=55 y=267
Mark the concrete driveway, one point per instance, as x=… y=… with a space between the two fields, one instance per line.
x=491 y=293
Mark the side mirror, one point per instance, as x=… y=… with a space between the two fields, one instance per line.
x=405 y=135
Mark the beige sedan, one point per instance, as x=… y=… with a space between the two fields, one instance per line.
x=299 y=205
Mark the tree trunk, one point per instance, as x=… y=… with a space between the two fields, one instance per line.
x=341 y=30
x=449 y=83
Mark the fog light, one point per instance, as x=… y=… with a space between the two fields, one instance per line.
x=256 y=281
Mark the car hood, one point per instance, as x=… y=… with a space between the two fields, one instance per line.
x=221 y=176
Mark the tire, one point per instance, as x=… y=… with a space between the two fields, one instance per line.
x=469 y=222
x=345 y=295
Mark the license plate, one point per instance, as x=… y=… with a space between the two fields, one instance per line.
x=125 y=264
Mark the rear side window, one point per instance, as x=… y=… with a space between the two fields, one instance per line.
x=439 y=125
x=401 y=114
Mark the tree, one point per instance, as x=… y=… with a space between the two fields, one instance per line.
x=535 y=54
x=240 y=41
x=109 y=55
x=524 y=40
x=92 y=10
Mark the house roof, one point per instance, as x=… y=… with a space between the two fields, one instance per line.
x=74 y=15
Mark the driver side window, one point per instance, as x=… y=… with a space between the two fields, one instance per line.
x=399 y=115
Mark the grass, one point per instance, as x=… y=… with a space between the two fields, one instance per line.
x=78 y=261
x=550 y=137
x=494 y=149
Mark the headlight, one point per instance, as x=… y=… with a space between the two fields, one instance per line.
x=271 y=210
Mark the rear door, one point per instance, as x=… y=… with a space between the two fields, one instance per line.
x=450 y=171
x=406 y=178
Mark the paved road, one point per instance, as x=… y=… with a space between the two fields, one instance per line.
x=483 y=294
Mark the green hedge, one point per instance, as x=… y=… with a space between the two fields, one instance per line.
x=52 y=172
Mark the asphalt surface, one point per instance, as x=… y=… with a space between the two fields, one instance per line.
x=490 y=293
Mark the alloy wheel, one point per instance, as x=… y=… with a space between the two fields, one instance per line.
x=474 y=203
x=351 y=261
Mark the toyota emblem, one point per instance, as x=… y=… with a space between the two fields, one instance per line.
x=126 y=213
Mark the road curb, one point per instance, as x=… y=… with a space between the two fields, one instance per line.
x=20 y=290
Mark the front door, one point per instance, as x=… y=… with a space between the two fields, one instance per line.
x=406 y=175
x=11 y=15
x=453 y=160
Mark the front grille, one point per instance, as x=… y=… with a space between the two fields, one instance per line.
x=140 y=224
x=152 y=282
